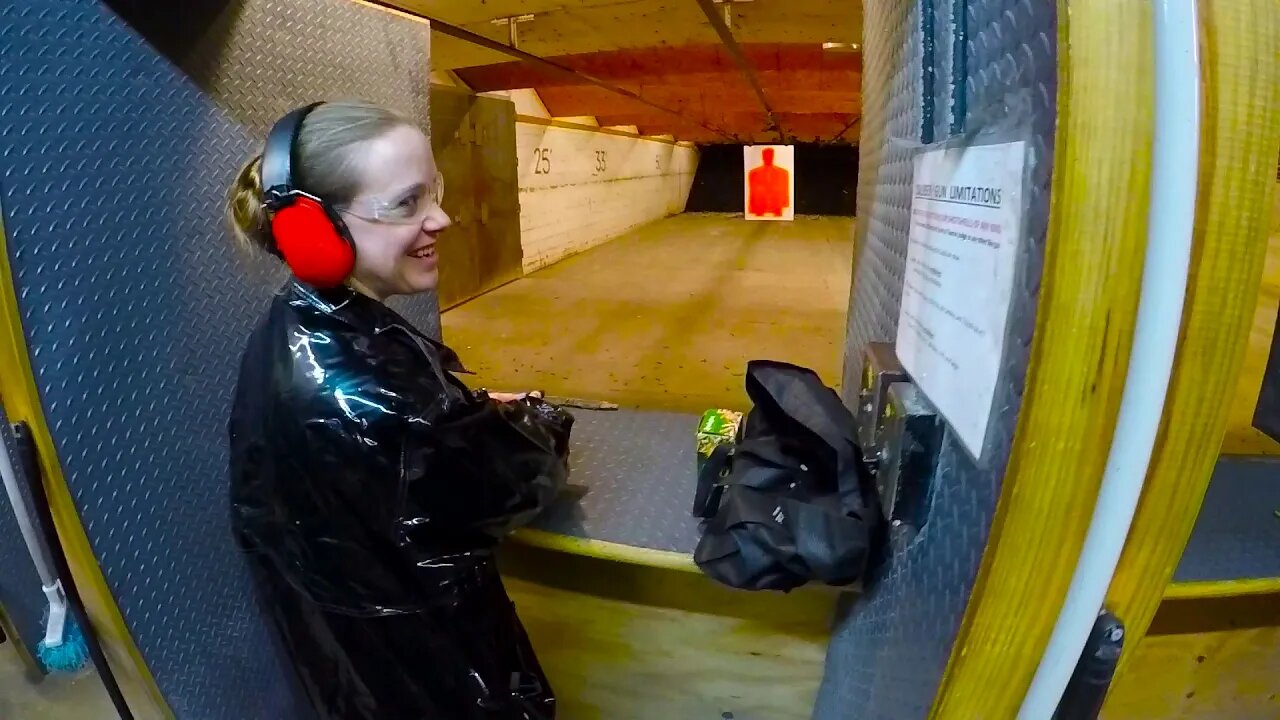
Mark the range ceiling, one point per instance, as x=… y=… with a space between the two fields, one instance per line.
x=668 y=52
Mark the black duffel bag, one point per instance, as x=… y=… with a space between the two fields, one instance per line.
x=789 y=501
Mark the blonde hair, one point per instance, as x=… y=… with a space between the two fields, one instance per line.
x=326 y=166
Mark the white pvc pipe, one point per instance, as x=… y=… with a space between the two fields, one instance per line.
x=1174 y=167
x=56 y=621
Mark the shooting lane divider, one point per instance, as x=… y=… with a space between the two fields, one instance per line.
x=30 y=461
x=1085 y=320
x=1240 y=44
x=1166 y=269
x=21 y=400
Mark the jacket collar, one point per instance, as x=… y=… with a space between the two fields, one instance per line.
x=363 y=314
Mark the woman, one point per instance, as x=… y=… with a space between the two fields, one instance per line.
x=369 y=485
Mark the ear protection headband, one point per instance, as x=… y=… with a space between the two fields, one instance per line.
x=309 y=234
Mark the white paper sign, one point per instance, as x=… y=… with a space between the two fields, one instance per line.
x=966 y=222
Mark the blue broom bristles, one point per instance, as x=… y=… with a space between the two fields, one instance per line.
x=71 y=655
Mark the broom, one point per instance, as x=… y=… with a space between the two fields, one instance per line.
x=63 y=649
x=35 y=483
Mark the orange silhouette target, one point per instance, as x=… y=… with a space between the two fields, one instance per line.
x=769 y=182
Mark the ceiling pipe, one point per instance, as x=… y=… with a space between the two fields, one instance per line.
x=852 y=124
x=554 y=68
x=735 y=51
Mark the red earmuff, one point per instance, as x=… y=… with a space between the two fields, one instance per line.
x=309 y=236
x=312 y=244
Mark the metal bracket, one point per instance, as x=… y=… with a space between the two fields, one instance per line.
x=911 y=436
x=511 y=22
x=1087 y=689
x=880 y=369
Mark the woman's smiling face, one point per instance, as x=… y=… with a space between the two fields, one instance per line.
x=395 y=218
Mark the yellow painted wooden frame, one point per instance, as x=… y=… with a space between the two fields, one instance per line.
x=21 y=401
x=1084 y=326
x=1211 y=589
x=603 y=550
x=1239 y=144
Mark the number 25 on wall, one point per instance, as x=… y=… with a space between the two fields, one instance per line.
x=542 y=161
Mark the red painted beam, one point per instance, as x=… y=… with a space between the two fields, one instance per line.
x=701 y=100
x=631 y=65
x=815 y=93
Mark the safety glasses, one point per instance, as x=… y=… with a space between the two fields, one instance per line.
x=408 y=208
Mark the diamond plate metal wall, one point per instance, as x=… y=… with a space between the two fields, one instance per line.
x=638 y=470
x=891 y=646
x=1237 y=535
x=257 y=59
x=135 y=308
x=892 y=96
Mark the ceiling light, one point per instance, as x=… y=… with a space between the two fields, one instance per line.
x=841 y=47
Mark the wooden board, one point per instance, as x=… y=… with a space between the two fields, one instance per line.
x=1204 y=659
x=474 y=143
x=622 y=641
x=1084 y=327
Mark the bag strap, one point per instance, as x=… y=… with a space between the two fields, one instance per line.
x=712 y=480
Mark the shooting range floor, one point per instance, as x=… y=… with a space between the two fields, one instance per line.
x=666 y=316
x=78 y=697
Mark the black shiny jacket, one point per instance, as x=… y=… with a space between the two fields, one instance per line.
x=363 y=471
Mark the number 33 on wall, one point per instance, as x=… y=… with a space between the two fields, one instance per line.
x=541 y=161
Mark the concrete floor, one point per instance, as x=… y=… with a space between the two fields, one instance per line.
x=667 y=316
x=76 y=697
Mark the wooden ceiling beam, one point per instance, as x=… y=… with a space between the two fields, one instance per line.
x=547 y=66
x=686 y=63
